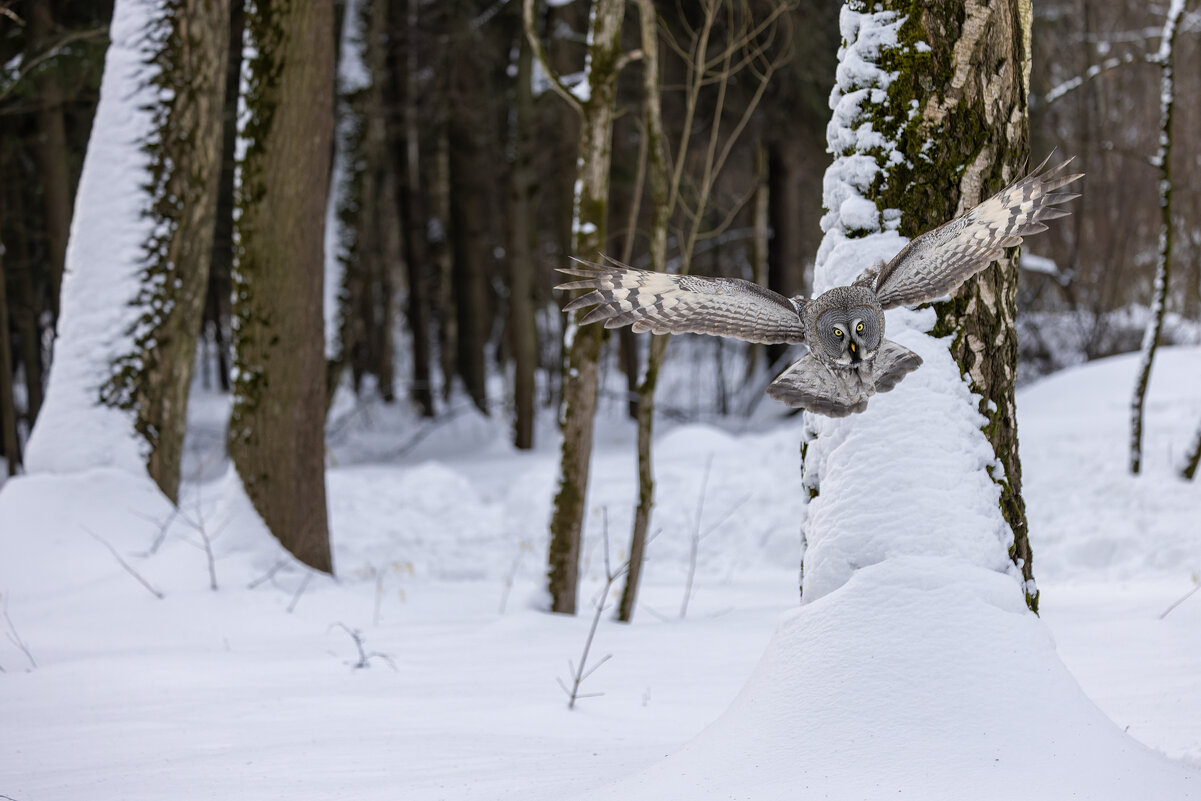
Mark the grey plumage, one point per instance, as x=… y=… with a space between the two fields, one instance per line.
x=849 y=360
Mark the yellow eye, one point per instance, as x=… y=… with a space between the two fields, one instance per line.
x=837 y=332
x=859 y=328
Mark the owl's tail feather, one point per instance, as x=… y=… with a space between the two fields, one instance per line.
x=838 y=392
x=811 y=385
x=892 y=363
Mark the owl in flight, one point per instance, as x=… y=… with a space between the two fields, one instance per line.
x=849 y=360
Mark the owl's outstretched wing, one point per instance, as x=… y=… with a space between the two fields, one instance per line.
x=679 y=304
x=939 y=261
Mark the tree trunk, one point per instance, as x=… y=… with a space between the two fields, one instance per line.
x=185 y=149
x=977 y=115
x=412 y=208
x=1163 y=265
x=657 y=182
x=583 y=350
x=784 y=253
x=443 y=261
x=523 y=189
x=468 y=212
x=1192 y=457
x=276 y=428
x=9 y=443
x=52 y=152
x=217 y=304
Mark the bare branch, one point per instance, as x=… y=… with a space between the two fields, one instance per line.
x=49 y=53
x=149 y=587
x=556 y=82
x=304 y=585
x=1184 y=598
x=15 y=637
x=1071 y=84
x=267 y=576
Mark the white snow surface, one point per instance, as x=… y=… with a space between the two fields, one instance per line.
x=922 y=675
x=917 y=675
x=104 y=251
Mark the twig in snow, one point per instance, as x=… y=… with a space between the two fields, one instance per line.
x=697 y=536
x=359 y=643
x=15 y=638
x=308 y=576
x=149 y=587
x=163 y=527
x=1181 y=600
x=583 y=671
x=522 y=549
x=267 y=576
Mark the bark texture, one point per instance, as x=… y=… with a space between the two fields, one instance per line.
x=961 y=66
x=972 y=90
x=276 y=428
x=185 y=167
x=583 y=353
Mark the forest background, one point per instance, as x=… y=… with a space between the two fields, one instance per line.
x=454 y=163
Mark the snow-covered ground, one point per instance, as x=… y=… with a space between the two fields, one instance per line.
x=250 y=692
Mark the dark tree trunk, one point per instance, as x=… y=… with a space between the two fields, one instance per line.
x=217 y=303
x=786 y=251
x=412 y=208
x=523 y=188
x=52 y=152
x=469 y=171
x=9 y=443
x=277 y=425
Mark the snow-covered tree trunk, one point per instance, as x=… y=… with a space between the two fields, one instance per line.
x=929 y=120
x=1163 y=264
x=276 y=429
x=137 y=262
x=597 y=108
x=185 y=166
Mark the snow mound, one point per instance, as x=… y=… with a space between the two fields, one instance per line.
x=1108 y=524
x=918 y=678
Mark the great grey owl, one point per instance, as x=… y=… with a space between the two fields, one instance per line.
x=849 y=360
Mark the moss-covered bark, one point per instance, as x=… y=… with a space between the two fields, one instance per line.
x=188 y=68
x=583 y=354
x=276 y=430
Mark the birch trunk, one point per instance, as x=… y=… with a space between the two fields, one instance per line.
x=583 y=350
x=1163 y=265
x=964 y=68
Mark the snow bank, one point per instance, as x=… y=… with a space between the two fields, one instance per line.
x=104 y=251
x=1108 y=524
x=917 y=678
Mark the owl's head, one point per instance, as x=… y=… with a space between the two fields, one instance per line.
x=848 y=325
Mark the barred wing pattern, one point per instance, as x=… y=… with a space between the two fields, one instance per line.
x=939 y=261
x=685 y=304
